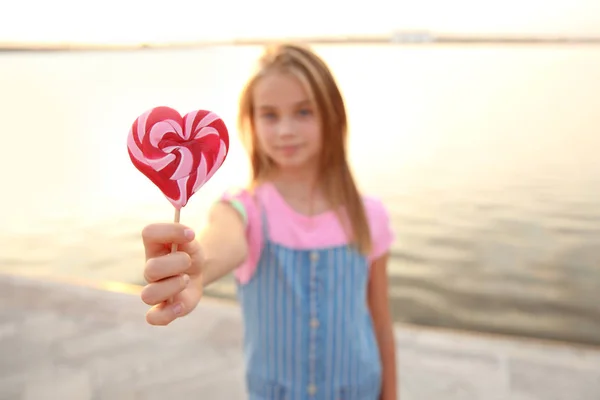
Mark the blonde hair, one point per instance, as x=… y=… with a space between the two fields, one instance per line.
x=335 y=177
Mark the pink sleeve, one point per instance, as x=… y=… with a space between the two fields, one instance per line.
x=244 y=199
x=382 y=233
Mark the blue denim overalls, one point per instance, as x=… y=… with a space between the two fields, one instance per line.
x=308 y=329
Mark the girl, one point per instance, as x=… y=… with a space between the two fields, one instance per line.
x=308 y=251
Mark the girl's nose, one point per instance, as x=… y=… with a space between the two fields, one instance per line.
x=285 y=127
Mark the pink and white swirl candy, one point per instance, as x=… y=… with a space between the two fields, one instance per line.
x=178 y=154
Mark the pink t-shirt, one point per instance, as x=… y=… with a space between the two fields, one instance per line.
x=291 y=229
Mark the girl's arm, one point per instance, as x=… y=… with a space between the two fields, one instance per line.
x=223 y=242
x=380 y=311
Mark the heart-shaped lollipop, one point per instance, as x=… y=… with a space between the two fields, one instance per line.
x=178 y=154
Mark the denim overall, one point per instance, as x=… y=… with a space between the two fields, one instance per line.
x=308 y=330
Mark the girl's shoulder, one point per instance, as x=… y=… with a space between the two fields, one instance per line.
x=241 y=199
x=380 y=225
x=245 y=200
x=375 y=208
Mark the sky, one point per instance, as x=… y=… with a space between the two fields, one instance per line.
x=135 y=21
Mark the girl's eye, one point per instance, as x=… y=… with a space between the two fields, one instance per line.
x=304 y=112
x=268 y=115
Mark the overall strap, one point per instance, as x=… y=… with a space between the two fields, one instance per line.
x=264 y=222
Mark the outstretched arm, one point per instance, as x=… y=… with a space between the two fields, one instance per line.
x=380 y=311
x=223 y=242
x=176 y=280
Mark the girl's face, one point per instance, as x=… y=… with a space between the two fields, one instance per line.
x=286 y=121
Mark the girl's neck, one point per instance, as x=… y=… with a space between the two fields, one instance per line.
x=300 y=183
x=301 y=189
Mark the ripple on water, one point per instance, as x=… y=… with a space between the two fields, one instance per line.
x=439 y=302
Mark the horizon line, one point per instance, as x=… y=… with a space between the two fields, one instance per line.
x=399 y=37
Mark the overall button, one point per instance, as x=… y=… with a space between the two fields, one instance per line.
x=314 y=323
x=312 y=390
x=314 y=256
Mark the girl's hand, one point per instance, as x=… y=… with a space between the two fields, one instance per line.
x=174 y=279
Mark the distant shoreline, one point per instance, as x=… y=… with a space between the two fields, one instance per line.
x=408 y=38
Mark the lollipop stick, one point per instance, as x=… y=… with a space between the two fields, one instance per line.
x=176 y=220
x=174 y=245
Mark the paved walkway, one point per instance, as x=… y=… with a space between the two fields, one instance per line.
x=66 y=341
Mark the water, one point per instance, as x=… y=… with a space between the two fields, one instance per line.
x=485 y=156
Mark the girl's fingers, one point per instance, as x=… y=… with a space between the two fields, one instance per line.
x=165 y=313
x=158 y=292
x=166 y=266
x=156 y=236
